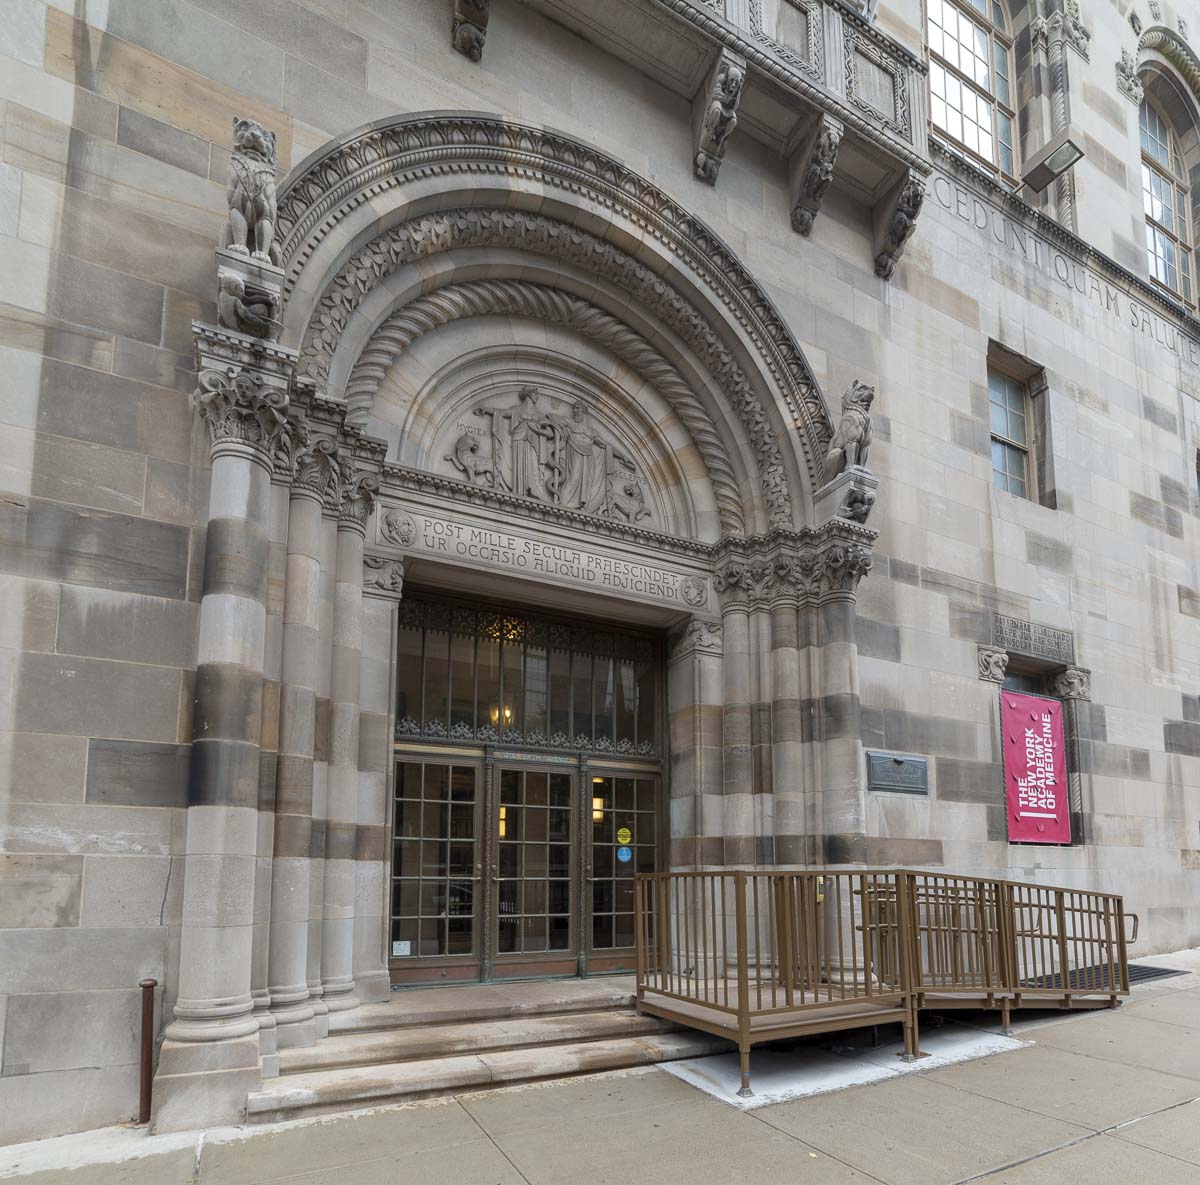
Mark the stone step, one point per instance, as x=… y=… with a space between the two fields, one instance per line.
x=479 y=1002
x=410 y=1043
x=295 y=1095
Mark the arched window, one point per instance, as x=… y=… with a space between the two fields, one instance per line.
x=1169 y=238
x=970 y=80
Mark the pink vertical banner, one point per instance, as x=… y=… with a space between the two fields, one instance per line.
x=1035 y=769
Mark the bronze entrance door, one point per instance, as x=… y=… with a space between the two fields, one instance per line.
x=526 y=873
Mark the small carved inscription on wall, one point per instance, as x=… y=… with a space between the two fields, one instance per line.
x=542 y=448
x=898 y=773
x=1027 y=637
x=542 y=559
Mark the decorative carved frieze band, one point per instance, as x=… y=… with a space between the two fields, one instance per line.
x=793 y=567
x=468 y=29
x=383 y=575
x=488 y=227
x=715 y=114
x=390 y=156
x=811 y=172
x=1073 y=683
x=993 y=664
x=897 y=225
x=509 y=297
x=697 y=637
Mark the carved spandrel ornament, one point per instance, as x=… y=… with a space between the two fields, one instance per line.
x=533 y=448
x=468 y=30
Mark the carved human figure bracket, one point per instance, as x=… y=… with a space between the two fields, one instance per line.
x=715 y=114
x=993 y=664
x=468 y=29
x=896 y=220
x=811 y=171
x=541 y=448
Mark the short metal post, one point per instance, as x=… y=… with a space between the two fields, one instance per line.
x=147 y=1051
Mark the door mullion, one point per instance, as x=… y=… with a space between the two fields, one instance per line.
x=582 y=913
x=489 y=854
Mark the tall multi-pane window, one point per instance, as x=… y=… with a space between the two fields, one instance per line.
x=1168 y=211
x=971 y=86
x=1008 y=407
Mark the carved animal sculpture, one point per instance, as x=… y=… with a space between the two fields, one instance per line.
x=852 y=440
x=628 y=500
x=247 y=313
x=467 y=457
x=250 y=228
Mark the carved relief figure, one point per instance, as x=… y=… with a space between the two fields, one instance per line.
x=901 y=226
x=720 y=119
x=249 y=310
x=817 y=179
x=250 y=227
x=852 y=440
x=1128 y=82
x=534 y=452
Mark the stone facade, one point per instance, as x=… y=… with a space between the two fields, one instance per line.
x=289 y=323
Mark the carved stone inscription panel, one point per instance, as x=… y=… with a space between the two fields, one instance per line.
x=543 y=558
x=541 y=447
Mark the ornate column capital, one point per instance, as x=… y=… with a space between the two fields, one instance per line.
x=357 y=493
x=993 y=664
x=383 y=576
x=316 y=465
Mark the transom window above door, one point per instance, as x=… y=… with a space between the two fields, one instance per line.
x=482 y=673
x=971 y=85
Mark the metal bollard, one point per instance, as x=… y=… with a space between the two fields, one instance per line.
x=147 y=986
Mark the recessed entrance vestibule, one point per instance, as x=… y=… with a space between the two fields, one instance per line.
x=528 y=791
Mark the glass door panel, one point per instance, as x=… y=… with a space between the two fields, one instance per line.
x=625 y=838
x=533 y=873
x=436 y=866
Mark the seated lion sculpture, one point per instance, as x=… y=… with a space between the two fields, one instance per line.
x=250 y=227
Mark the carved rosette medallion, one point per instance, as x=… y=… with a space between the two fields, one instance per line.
x=538 y=447
x=242 y=409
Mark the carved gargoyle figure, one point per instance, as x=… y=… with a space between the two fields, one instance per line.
x=720 y=118
x=250 y=227
x=248 y=310
x=469 y=30
x=817 y=178
x=900 y=227
x=858 y=505
x=852 y=440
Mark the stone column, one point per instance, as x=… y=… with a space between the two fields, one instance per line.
x=737 y=823
x=787 y=733
x=383 y=584
x=358 y=493
x=321 y=747
x=210 y=1057
x=314 y=481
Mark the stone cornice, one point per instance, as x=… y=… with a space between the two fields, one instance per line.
x=973 y=177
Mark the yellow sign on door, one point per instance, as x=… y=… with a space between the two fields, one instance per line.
x=624 y=835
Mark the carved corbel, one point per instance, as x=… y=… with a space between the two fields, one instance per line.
x=811 y=171
x=993 y=664
x=697 y=637
x=1073 y=683
x=895 y=221
x=469 y=28
x=714 y=113
x=383 y=576
x=1128 y=82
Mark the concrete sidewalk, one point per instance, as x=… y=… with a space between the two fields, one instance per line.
x=1108 y=1098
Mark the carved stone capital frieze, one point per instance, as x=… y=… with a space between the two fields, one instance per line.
x=811 y=171
x=468 y=29
x=383 y=576
x=793 y=567
x=896 y=221
x=993 y=664
x=1073 y=683
x=357 y=494
x=697 y=637
x=715 y=113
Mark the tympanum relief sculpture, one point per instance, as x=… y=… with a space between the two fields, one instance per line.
x=538 y=448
